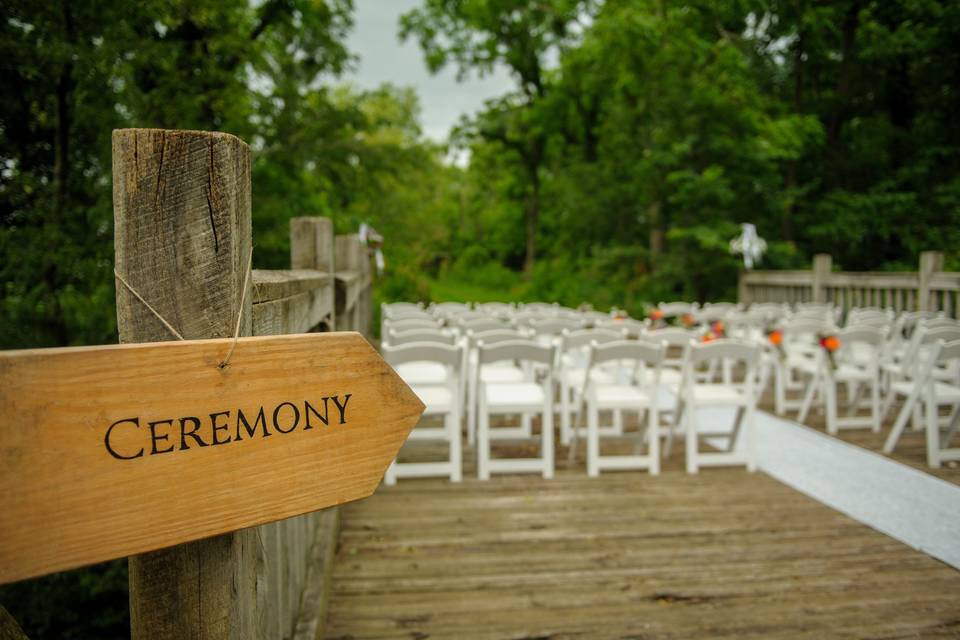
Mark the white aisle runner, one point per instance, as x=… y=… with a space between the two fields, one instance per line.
x=916 y=508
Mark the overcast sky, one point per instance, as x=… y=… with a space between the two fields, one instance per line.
x=384 y=59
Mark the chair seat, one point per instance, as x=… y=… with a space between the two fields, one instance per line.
x=620 y=395
x=501 y=373
x=946 y=393
x=500 y=394
x=427 y=373
x=801 y=363
x=438 y=399
x=943 y=392
x=574 y=377
x=851 y=373
x=668 y=377
x=708 y=394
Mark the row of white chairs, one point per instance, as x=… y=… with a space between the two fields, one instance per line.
x=883 y=355
x=512 y=374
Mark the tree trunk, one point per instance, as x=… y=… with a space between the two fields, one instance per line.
x=55 y=321
x=655 y=220
x=790 y=178
x=842 y=98
x=533 y=219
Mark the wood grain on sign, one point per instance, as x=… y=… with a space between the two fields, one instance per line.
x=117 y=450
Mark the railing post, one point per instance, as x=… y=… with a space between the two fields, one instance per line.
x=930 y=263
x=347 y=260
x=822 y=265
x=743 y=291
x=365 y=298
x=311 y=247
x=182 y=240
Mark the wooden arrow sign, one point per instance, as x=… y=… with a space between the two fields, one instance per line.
x=116 y=450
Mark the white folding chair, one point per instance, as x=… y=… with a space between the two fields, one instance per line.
x=798 y=362
x=671 y=373
x=420 y=372
x=623 y=394
x=504 y=372
x=739 y=395
x=920 y=371
x=571 y=371
x=509 y=398
x=858 y=367
x=441 y=399
x=937 y=394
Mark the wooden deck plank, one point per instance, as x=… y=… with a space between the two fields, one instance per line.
x=724 y=553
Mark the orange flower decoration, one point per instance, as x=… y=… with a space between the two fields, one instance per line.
x=718 y=328
x=709 y=336
x=687 y=320
x=656 y=314
x=776 y=337
x=830 y=343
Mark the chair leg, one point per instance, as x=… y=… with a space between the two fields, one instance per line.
x=593 y=440
x=808 y=398
x=951 y=427
x=546 y=439
x=564 y=414
x=887 y=403
x=749 y=423
x=933 y=432
x=875 y=405
x=853 y=398
x=452 y=421
x=676 y=419
x=691 y=435
x=390 y=477
x=780 y=392
x=618 y=421
x=901 y=423
x=483 y=440
x=653 y=433
x=830 y=392
x=472 y=412
x=526 y=423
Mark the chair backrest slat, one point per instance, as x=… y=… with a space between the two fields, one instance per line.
x=395 y=338
x=646 y=352
x=518 y=350
x=584 y=337
x=423 y=352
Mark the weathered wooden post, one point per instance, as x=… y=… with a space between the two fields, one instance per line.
x=183 y=240
x=930 y=263
x=311 y=247
x=743 y=291
x=822 y=265
x=365 y=298
x=347 y=252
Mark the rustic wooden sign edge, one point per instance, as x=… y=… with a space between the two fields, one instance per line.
x=20 y=561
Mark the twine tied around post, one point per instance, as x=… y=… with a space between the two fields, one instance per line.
x=236 y=332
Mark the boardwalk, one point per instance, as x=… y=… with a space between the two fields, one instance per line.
x=721 y=554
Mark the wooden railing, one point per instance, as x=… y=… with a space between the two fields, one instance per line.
x=328 y=287
x=183 y=238
x=928 y=289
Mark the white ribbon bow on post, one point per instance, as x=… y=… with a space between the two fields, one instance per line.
x=748 y=244
x=374 y=242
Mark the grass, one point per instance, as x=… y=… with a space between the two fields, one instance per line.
x=452 y=290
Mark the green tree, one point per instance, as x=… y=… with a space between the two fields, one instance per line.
x=482 y=35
